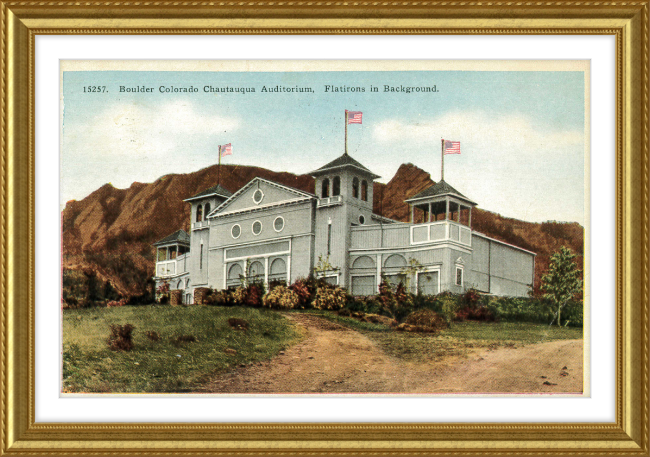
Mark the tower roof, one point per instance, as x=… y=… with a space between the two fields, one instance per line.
x=343 y=161
x=179 y=236
x=439 y=189
x=214 y=190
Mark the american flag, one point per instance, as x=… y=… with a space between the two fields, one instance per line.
x=452 y=147
x=354 y=117
x=226 y=150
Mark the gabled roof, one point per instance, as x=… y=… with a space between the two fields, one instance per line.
x=438 y=189
x=179 y=236
x=214 y=190
x=300 y=194
x=343 y=162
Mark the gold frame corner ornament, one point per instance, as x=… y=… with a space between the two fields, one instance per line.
x=23 y=20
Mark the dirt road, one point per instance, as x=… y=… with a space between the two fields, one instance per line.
x=333 y=358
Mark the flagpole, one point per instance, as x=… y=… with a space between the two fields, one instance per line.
x=442 y=161
x=346 y=132
x=219 y=168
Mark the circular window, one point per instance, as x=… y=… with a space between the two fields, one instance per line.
x=235 y=231
x=278 y=223
x=257 y=228
x=258 y=196
x=362 y=220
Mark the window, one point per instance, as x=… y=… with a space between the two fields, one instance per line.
x=257 y=228
x=329 y=239
x=336 y=186
x=459 y=276
x=428 y=282
x=256 y=271
x=199 y=213
x=325 y=188
x=355 y=187
x=362 y=220
x=235 y=231
x=207 y=210
x=258 y=196
x=201 y=258
x=364 y=191
x=278 y=224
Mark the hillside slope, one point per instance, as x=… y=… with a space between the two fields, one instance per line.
x=109 y=234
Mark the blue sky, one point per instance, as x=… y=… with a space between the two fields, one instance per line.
x=521 y=132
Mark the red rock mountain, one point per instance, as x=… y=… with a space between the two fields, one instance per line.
x=111 y=231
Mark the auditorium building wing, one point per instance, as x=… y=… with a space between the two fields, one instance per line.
x=270 y=232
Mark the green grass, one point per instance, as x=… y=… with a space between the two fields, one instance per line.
x=456 y=341
x=164 y=365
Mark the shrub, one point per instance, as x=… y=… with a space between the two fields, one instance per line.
x=220 y=298
x=302 y=290
x=470 y=298
x=281 y=298
x=449 y=306
x=475 y=314
x=121 y=338
x=366 y=305
x=426 y=320
x=249 y=296
x=511 y=309
x=162 y=292
x=330 y=298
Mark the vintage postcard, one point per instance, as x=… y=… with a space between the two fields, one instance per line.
x=324 y=227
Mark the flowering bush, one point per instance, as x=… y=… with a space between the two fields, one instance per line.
x=281 y=298
x=248 y=296
x=301 y=289
x=162 y=292
x=330 y=298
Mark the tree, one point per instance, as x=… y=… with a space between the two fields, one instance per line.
x=562 y=281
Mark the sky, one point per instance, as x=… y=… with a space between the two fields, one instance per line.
x=522 y=133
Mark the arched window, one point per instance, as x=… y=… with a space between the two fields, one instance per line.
x=187 y=283
x=363 y=262
x=199 y=213
x=207 y=210
x=278 y=267
x=336 y=186
x=364 y=190
x=355 y=187
x=235 y=271
x=325 y=188
x=256 y=271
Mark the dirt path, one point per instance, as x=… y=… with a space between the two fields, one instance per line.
x=333 y=358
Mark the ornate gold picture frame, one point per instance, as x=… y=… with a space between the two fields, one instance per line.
x=23 y=20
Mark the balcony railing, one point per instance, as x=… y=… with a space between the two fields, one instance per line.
x=172 y=267
x=441 y=231
x=330 y=201
x=200 y=224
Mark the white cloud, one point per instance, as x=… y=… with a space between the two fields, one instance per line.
x=476 y=130
x=136 y=129
x=508 y=163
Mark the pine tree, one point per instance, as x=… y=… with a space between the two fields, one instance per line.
x=562 y=281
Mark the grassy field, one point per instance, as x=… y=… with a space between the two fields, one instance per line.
x=458 y=340
x=165 y=365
